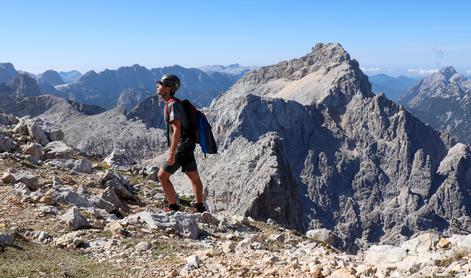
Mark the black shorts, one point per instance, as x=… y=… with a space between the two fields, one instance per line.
x=184 y=158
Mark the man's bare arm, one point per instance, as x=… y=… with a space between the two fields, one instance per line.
x=176 y=127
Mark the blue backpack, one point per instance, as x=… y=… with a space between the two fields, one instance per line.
x=199 y=128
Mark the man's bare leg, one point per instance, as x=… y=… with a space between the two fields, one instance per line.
x=169 y=190
x=197 y=185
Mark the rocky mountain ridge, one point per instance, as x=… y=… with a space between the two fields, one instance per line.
x=312 y=131
x=442 y=100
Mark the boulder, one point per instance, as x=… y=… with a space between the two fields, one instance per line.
x=58 y=149
x=184 y=224
x=21 y=127
x=37 y=133
x=119 y=159
x=381 y=254
x=34 y=149
x=30 y=180
x=110 y=197
x=74 y=219
x=193 y=261
x=461 y=241
x=321 y=235
x=69 y=197
x=421 y=244
x=7 y=119
x=7 y=144
x=70 y=240
x=6 y=239
x=7 y=178
x=22 y=189
x=53 y=132
x=78 y=165
x=143 y=246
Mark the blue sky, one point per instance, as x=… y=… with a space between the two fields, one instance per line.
x=395 y=37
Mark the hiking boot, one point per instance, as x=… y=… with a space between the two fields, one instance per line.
x=198 y=207
x=172 y=207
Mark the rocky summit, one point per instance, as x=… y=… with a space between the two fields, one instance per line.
x=443 y=101
x=310 y=130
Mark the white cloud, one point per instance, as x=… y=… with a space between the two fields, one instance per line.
x=422 y=71
x=371 y=69
x=468 y=71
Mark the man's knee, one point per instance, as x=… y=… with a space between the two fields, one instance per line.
x=163 y=175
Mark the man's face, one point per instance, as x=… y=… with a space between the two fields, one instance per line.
x=163 y=90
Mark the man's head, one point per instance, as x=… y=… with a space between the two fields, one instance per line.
x=168 y=84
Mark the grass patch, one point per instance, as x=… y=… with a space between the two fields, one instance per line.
x=34 y=260
x=163 y=248
x=456 y=256
x=168 y=250
x=130 y=242
x=136 y=179
x=105 y=234
x=103 y=166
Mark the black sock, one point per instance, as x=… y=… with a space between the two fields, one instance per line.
x=200 y=207
x=174 y=207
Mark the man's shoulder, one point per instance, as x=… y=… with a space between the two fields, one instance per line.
x=174 y=105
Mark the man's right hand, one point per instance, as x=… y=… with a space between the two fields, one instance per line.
x=170 y=158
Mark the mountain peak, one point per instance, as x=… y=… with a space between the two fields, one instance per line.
x=333 y=52
x=325 y=75
x=447 y=72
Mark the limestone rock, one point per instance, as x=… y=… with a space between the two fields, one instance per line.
x=143 y=246
x=57 y=150
x=7 y=119
x=321 y=235
x=70 y=240
x=380 y=254
x=108 y=197
x=7 y=144
x=35 y=150
x=193 y=261
x=184 y=224
x=79 y=165
x=421 y=244
x=119 y=159
x=74 y=219
x=27 y=178
x=69 y=197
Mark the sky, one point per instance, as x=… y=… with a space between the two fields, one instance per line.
x=392 y=37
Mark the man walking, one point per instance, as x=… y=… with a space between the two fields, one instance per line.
x=181 y=145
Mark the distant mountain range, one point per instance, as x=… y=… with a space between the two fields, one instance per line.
x=127 y=86
x=70 y=76
x=392 y=87
x=234 y=69
x=443 y=100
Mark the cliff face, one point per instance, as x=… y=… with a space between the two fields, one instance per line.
x=363 y=166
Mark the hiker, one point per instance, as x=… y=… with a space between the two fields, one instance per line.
x=181 y=146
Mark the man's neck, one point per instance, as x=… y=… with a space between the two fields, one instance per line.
x=167 y=97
